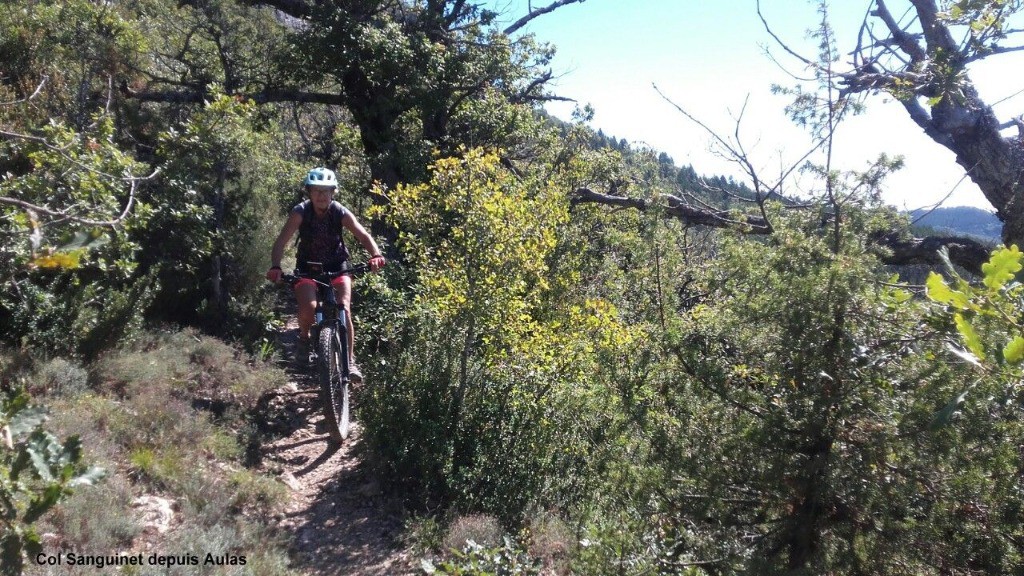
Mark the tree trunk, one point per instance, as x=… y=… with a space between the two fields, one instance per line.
x=995 y=163
x=218 y=297
x=932 y=64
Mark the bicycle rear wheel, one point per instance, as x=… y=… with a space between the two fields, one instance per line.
x=332 y=375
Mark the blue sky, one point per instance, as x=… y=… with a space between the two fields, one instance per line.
x=709 y=57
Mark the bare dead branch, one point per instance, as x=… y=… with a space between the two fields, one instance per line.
x=903 y=39
x=538 y=12
x=994 y=50
x=1018 y=122
x=938 y=204
x=721 y=141
x=964 y=252
x=892 y=249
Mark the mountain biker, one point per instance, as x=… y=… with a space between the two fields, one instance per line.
x=319 y=222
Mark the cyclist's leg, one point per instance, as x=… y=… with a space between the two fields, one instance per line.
x=343 y=291
x=305 y=296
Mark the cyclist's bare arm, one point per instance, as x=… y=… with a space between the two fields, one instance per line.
x=287 y=231
x=360 y=233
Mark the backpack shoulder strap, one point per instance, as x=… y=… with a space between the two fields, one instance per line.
x=307 y=219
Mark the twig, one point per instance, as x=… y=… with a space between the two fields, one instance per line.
x=936 y=206
x=134 y=182
x=31 y=96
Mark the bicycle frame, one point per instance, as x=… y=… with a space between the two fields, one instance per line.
x=327 y=306
x=330 y=352
x=328 y=310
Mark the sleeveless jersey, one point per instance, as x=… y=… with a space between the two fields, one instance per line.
x=320 y=238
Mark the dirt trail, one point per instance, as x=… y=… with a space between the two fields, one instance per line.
x=341 y=523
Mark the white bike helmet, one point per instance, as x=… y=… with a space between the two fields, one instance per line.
x=321 y=177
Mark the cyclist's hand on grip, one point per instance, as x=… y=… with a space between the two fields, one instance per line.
x=377 y=262
x=274 y=274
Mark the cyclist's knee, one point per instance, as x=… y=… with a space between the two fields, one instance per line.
x=344 y=296
x=307 y=306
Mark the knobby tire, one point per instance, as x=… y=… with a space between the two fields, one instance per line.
x=332 y=375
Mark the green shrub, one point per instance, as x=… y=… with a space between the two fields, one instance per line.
x=506 y=559
x=59 y=377
x=221 y=445
x=424 y=533
x=256 y=492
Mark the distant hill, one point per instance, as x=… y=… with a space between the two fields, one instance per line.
x=961 y=220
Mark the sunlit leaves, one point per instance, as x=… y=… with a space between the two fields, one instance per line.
x=75 y=177
x=986 y=19
x=939 y=291
x=986 y=315
x=503 y=361
x=1014 y=351
x=1004 y=264
x=58 y=260
x=480 y=236
x=970 y=337
x=70 y=254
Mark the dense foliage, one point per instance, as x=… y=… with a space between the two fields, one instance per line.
x=622 y=392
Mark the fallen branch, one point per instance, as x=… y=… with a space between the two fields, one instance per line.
x=679 y=209
x=967 y=253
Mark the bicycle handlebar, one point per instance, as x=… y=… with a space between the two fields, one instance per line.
x=326 y=277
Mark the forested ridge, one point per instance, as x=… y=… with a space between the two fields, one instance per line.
x=963 y=220
x=581 y=357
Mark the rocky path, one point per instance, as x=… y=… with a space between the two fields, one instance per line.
x=341 y=523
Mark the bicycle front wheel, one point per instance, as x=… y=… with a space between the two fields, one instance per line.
x=332 y=375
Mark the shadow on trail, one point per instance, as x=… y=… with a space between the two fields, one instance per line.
x=349 y=527
x=285 y=447
x=324 y=457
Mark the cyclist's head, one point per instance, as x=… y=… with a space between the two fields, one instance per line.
x=321 y=177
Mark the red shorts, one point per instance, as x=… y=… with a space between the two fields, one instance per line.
x=339 y=281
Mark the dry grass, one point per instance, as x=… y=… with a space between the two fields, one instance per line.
x=553 y=542
x=168 y=416
x=480 y=528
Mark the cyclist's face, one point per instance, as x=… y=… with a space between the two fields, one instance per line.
x=321 y=196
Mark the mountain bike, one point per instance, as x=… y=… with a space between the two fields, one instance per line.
x=328 y=338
